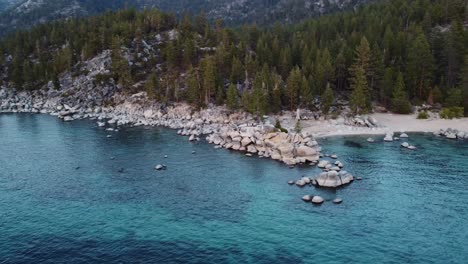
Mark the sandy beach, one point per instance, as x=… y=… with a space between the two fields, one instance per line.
x=388 y=123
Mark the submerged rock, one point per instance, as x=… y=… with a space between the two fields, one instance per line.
x=337 y=201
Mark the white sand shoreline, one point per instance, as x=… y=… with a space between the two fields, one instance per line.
x=387 y=123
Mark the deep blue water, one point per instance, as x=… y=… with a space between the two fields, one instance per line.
x=63 y=200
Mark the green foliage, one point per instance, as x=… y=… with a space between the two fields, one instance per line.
x=209 y=79
x=452 y=112
x=232 y=100
x=464 y=85
x=423 y=115
x=437 y=96
x=360 y=71
x=358 y=96
x=153 y=87
x=400 y=102
x=279 y=127
x=298 y=127
x=281 y=67
x=454 y=98
x=293 y=87
x=327 y=100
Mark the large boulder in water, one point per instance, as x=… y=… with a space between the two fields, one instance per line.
x=333 y=179
x=317 y=200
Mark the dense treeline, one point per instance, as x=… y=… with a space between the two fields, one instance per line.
x=395 y=53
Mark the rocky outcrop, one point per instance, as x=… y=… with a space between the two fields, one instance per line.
x=452 y=134
x=264 y=141
x=333 y=179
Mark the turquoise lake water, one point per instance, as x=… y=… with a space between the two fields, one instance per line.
x=63 y=200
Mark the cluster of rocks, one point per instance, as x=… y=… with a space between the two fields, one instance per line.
x=264 y=141
x=315 y=199
x=452 y=134
x=332 y=176
x=390 y=136
x=362 y=121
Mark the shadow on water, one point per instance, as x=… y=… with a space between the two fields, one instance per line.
x=56 y=249
x=352 y=144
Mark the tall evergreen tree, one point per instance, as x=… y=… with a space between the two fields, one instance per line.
x=358 y=69
x=327 y=100
x=464 y=85
x=232 y=97
x=293 y=87
x=400 y=102
x=358 y=100
x=152 y=86
x=420 y=67
x=209 y=79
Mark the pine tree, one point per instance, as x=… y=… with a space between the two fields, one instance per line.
x=17 y=69
x=420 y=67
x=194 y=94
x=358 y=96
x=120 y=67
x=306 y=93
x=152 y=86
x=237 y=71
x=386 y=90
x=400 y=102
x=327 y=100
x=360 y=68
x=189 y=52
x=220 y=95
x=276 y=103
x=293 y=86
x=464 y=85
x=209 y=79
x=232 y=97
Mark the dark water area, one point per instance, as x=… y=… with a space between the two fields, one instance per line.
x=65 y=199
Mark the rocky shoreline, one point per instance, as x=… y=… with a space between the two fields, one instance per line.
x=236 y=131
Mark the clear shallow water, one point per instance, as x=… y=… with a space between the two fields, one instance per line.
x=217 y=206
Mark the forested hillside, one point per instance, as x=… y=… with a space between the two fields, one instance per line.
x=391 y=53
x=22 y=14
